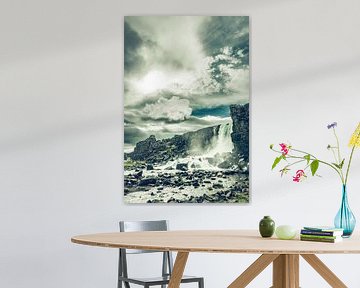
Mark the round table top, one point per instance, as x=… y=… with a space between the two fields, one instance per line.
x=219 y=241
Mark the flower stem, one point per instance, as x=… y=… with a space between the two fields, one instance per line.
x=338 y=171
x=323 y=162
x=333 y=152
x=338 y=146
x=296 y=162
x=339 y=156
x=304 y=152
x=348 y=167
x=313 y=158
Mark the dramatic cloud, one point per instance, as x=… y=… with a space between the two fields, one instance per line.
x=162 y=129
x=231 y=31
x=180 y=70
x=133 y=134
x=173 y=109
x=132 y=44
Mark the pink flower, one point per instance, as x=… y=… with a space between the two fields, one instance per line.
x=300 y=175
x=284 y=148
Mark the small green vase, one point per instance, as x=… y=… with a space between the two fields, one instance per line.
x=267 y=227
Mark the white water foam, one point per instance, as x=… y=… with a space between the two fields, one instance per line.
x=222 y=143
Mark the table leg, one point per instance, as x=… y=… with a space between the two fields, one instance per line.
x=286 y=271
x=253 y=270
x=178 y=269
x=324 y=271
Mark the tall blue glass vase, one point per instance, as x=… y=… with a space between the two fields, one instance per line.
x=345 y=219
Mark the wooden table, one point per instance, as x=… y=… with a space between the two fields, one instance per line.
x=284 y=254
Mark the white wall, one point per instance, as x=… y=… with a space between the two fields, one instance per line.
x=61 y=132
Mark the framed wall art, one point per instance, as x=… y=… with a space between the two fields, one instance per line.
x=186 y=109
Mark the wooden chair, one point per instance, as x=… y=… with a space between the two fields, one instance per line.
x=167 y=262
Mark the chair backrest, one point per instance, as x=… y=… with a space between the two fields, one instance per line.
x=134 y=226
x=137 y=226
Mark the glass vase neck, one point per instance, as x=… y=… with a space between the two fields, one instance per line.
x=344 y=189
x=344 y=195
x=345 y=219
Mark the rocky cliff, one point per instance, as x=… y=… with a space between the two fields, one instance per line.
x=209 y=165
x=158 y=151
x=240 y=135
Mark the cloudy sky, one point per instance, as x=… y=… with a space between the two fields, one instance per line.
x=182 y=73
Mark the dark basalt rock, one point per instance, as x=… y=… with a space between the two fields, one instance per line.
x=147 y=181
x=151 y=153
x=155 y=151
x=240 y=135
x=182 y=166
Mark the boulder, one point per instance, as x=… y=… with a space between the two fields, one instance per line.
x=182 y=166
x=147 y=181
x=240 y=135
x=149 y=167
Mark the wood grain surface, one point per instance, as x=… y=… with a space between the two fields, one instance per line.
x=179 y=268
x=324 y=271
x=217 y=241
x=253 y=270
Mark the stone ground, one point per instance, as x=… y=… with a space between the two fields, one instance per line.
x=186 y=186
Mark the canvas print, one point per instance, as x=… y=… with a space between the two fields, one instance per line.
x=186 y=109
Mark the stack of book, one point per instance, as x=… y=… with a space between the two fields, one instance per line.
x=321 y=234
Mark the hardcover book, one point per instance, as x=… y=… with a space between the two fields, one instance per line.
x=325 y=240
x=321 y=233
x=323 y=228
x=319 y=237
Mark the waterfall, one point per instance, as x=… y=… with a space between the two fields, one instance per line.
x=222 y=142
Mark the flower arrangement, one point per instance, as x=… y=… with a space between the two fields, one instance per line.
x=293 y=156
x=344 y=219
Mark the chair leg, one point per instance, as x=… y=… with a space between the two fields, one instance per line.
x=126 y=284
x=201 y=283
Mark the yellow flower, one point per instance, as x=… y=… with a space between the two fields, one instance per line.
x=355 y=137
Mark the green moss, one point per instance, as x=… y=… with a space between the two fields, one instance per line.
x=242 y=198
x=131 y=164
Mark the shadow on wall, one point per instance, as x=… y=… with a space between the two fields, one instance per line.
x=115 y=120
x=66 y=130
x=309 y=75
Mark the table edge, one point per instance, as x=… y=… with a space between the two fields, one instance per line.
x=203 y=250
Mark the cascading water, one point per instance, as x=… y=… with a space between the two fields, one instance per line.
x=222 y=143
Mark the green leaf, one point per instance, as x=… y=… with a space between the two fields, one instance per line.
x=284 y=170
x=339 y=166
x=271 y=146
x=336 y=165
x=342 y=163
x=307 y=157
x=314 y=166
x=276 y=162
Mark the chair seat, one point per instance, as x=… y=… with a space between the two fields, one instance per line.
x=158 y=280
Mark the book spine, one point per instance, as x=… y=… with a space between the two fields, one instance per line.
x=320 y=233
x=318 y=239
x=319 y=236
